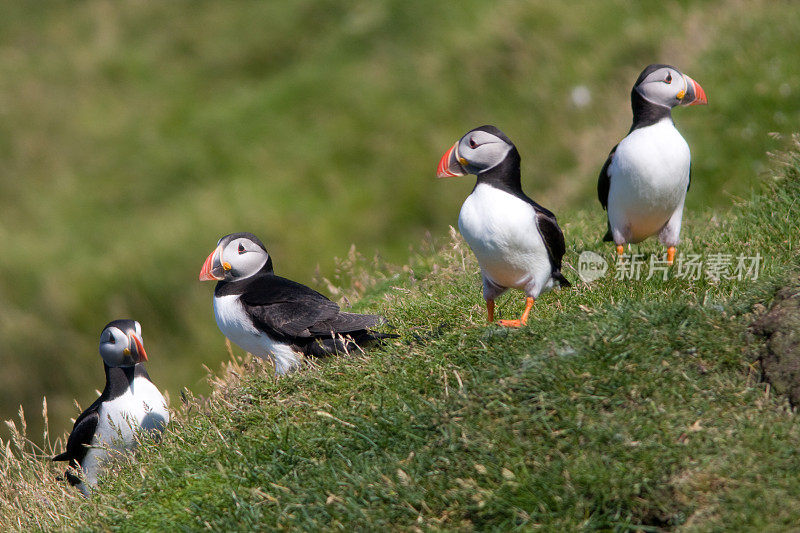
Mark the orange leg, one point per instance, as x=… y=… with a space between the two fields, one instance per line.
x=522 y=320
x=490 y=310
x=670 y=255
x=620 y=249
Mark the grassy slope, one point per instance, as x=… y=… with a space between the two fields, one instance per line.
x=134 y=134
x=622 y=404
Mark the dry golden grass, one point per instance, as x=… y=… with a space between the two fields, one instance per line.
x=31 y=497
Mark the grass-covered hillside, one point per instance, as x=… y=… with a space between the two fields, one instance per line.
x=134 y=134
x=625 y=404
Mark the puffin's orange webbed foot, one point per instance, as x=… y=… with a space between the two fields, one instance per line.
x=620 y=250
x=523 y=320
x=670 y=255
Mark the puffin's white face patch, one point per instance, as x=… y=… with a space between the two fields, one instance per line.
x=245 y=258
x=481 y=151
x=663 y=86
x=113 y=343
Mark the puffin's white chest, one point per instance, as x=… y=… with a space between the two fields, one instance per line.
x=235 y=324
x=649 y=177
x=501 y=230
x=142 y=407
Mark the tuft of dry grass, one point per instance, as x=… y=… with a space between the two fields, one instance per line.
x=31 y=495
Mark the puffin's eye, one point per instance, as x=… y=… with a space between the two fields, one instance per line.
x=241 y=249
x=111 y=339
x=668 y=78
x=472 y=143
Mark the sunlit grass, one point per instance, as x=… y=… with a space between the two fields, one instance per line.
x=624 y=404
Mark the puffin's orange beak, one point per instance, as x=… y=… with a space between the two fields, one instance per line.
x=449 y=165
x=135 y=340
x=212 y=267
x=696 y=95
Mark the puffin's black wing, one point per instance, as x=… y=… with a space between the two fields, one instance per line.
x=289 y=308
x=346 y=323
x=552 y=236
x=81 y=436
x=690 y=177
x=553 y=239
x=604 y=180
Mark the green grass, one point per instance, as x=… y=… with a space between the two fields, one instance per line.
x=136 y=134
x=623 y=405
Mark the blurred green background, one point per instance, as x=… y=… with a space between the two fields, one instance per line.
x=134 y=134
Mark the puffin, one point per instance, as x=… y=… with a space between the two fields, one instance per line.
x=276 y=318
x=517 y=242
x=644 y=181
x=130 y=403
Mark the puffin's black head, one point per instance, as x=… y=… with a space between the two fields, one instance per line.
x=666 y=86
x=237 y=256
x=121 y=343
x=479 y=151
